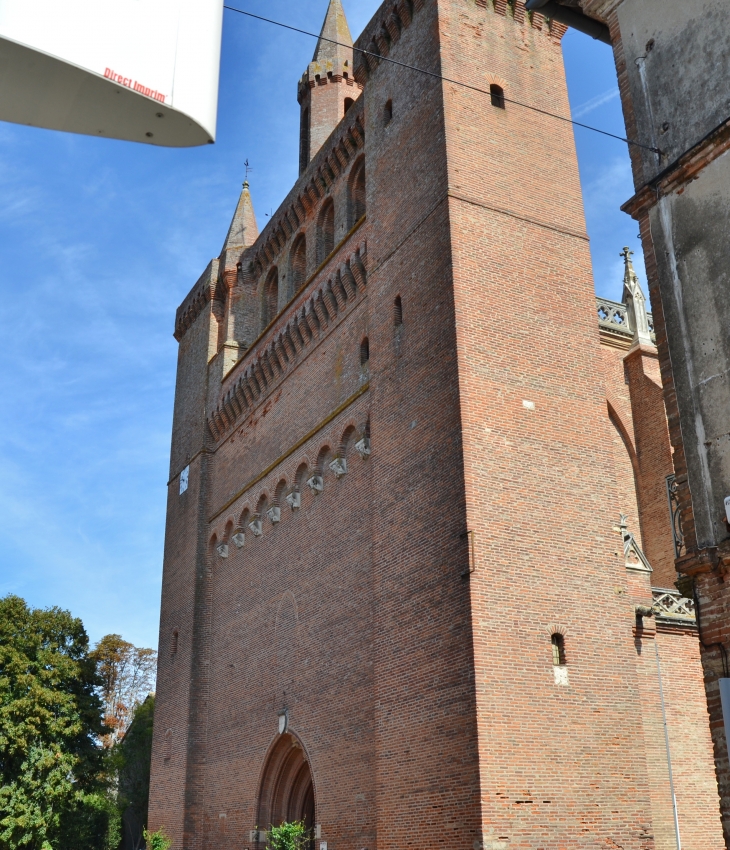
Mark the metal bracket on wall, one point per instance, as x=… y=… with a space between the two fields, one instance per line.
x=472 y=553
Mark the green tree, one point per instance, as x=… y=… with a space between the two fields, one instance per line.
x=51 y=765
x=289 y=836
x=133 y=756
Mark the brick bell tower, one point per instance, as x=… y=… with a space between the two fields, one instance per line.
x=327 y=88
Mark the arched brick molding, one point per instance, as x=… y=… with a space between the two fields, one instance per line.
x=287 y=790
x=298 y=264
x=357 y=192
x=622 y=472
x=326 y=231
x=270 y=306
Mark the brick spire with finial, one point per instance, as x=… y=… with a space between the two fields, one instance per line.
x=328 y=88
x=244 y=230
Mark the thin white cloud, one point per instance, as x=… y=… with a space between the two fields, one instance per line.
x=595 y=102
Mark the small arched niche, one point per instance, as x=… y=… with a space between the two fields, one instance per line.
x=287 y=787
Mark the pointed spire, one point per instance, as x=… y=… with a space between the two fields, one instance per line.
x=635 y=302
x=334 y=29
x=243 y=231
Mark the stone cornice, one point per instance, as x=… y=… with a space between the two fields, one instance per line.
x=678 y=174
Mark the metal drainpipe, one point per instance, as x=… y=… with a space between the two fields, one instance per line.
x=666 y=741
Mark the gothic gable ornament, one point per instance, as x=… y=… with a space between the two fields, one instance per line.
x=634 y=557
x=635 y=302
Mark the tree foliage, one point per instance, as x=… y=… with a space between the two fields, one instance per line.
x=133 y=756
x=128 y=677
x=50 y=723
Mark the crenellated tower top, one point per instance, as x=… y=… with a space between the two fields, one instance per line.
x=327 y=88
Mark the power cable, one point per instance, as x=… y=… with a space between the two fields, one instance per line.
x=444 y=79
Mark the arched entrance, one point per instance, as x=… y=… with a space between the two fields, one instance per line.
x=287 y=788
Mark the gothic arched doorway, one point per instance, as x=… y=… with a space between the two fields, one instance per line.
x=287 y=788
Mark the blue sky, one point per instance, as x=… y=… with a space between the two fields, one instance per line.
x=99 y=243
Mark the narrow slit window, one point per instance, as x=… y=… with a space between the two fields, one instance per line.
x=348 y=103
x=496 y=93
x=388 y=112
x=364 y=352
x=174 y=642
x=398 y=312
x=558 y=642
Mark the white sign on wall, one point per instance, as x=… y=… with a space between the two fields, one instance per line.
x=141 y=70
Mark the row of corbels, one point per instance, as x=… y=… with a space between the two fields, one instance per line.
x=305 y=325
x=293 y=499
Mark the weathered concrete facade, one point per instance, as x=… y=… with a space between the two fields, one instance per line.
x=398 y=600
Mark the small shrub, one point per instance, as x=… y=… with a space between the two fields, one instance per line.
x=157 y=840
x=288 y=836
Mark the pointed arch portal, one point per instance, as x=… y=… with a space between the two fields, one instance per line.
x=287 y=787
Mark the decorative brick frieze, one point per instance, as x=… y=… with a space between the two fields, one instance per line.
x=260 y=368
x=328 y=448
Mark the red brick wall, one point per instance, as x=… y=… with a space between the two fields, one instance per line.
x=636 y=407
x=540 y=481
x=695 y=783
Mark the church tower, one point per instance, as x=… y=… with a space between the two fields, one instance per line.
x=394 y=606
x=327 y=88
